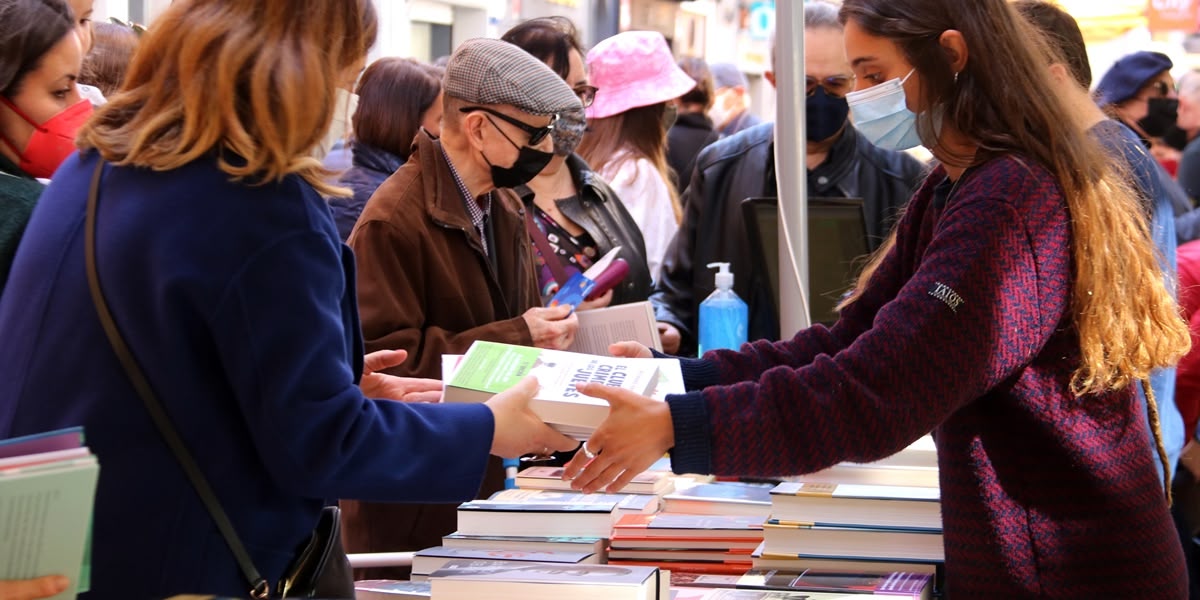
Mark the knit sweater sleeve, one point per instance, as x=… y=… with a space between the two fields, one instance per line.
x=967 y=318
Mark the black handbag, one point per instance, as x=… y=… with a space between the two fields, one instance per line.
x=320 y=568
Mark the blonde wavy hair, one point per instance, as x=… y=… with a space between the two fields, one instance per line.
x=253 y=81
x=1005 y=100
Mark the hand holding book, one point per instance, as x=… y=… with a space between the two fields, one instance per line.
x=518 y=431
x=637 y=432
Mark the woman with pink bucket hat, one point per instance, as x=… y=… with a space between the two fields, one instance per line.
x=626 y=141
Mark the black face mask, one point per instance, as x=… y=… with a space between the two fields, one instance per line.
x=530 y=162
x=1161 y=114
x=826 y=115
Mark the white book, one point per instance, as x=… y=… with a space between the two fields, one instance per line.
x=489 y=368
x=601 y=327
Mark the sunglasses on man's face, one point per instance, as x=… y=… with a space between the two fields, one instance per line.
x=836 y=85
x=536 y=134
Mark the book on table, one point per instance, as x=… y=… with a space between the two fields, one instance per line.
x=490 y=517
x=802 y=562
x=593 y=545
x=684 y=526
x=697 y=593
x=428 y=560
x=780 y=537
x=721 y=498
x=857 y=505
x=550 y=478
x=473 y=579
x=489 y=368
x=873 y=474
x=47 y=491
x=916 y=586
x=391 y=589
x=601 y=327
x=627 y=504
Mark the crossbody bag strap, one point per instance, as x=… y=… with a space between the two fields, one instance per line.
x=543 y=245
x=259 y=586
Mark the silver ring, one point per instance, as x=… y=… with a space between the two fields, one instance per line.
x=588 y=453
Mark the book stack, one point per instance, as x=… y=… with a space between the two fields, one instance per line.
x=489 y=368
x=851 y=527
x=473 y=579
x=686 y=543
x=47 y=487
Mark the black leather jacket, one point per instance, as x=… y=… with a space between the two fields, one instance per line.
x=600 y=213
x=742 y=166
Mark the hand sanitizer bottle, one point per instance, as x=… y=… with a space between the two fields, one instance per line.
x=723 y=316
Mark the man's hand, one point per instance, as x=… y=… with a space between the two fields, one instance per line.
x=552 y=328
x=670 y=337
x=389 y=387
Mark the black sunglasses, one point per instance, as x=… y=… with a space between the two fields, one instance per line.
x=536 y=134
x=586 y=93
x=837 y=86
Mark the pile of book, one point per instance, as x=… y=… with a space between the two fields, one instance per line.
x=682 y=542
x=47 y=488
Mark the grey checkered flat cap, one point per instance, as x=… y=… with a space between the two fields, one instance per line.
x=487 y=71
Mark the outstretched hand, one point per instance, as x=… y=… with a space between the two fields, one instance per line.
x=637 y=432
x=389 y=387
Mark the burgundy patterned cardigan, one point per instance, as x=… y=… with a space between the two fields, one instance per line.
x=965 y=331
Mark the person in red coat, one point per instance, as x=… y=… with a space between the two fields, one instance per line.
x=1187 y=375
x=1016 y=302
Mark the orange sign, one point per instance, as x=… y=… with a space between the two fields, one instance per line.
x=1172 y=15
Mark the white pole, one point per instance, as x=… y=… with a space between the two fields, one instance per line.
x=790 y=171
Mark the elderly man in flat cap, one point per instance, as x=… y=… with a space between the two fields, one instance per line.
x=443 y=256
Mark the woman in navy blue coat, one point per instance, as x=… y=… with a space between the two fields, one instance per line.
x=224 y=271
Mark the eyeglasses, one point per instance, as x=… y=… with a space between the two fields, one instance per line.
x=586 y=93
x=536 y=134
x=836 y=85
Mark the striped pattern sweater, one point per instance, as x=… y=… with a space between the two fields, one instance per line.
x=965 y=330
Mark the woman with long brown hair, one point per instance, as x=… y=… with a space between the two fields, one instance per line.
x=225 y=277
x=1017 y=301
x=626 y=141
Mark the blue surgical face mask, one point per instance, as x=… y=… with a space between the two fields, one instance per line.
x=881 y=115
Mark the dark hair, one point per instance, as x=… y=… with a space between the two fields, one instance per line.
x=548 y=39
x=28 y=30
x=697 y=69
x=112 y=49
x=1062 y=33
x=393 y=96
x=640 y=132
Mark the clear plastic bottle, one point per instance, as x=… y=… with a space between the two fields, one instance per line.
x=723 y=315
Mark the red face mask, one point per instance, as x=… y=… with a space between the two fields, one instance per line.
x=52 y=142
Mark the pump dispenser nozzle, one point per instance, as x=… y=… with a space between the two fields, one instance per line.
x=723 y=279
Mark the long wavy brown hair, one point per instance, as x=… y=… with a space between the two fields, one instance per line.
x=639 y=132
x=252 y=81
x=1005 y=101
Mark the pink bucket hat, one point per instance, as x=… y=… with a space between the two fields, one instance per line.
x=632 y=69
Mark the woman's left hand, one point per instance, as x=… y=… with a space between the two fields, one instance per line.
x=389 y=387
x=637 y=432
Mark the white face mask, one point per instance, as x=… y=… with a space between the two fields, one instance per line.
x=719 y=113
x=881 y=114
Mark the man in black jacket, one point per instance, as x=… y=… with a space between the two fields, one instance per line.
x=840 y=163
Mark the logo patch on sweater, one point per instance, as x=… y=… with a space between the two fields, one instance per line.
x=948 y=296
